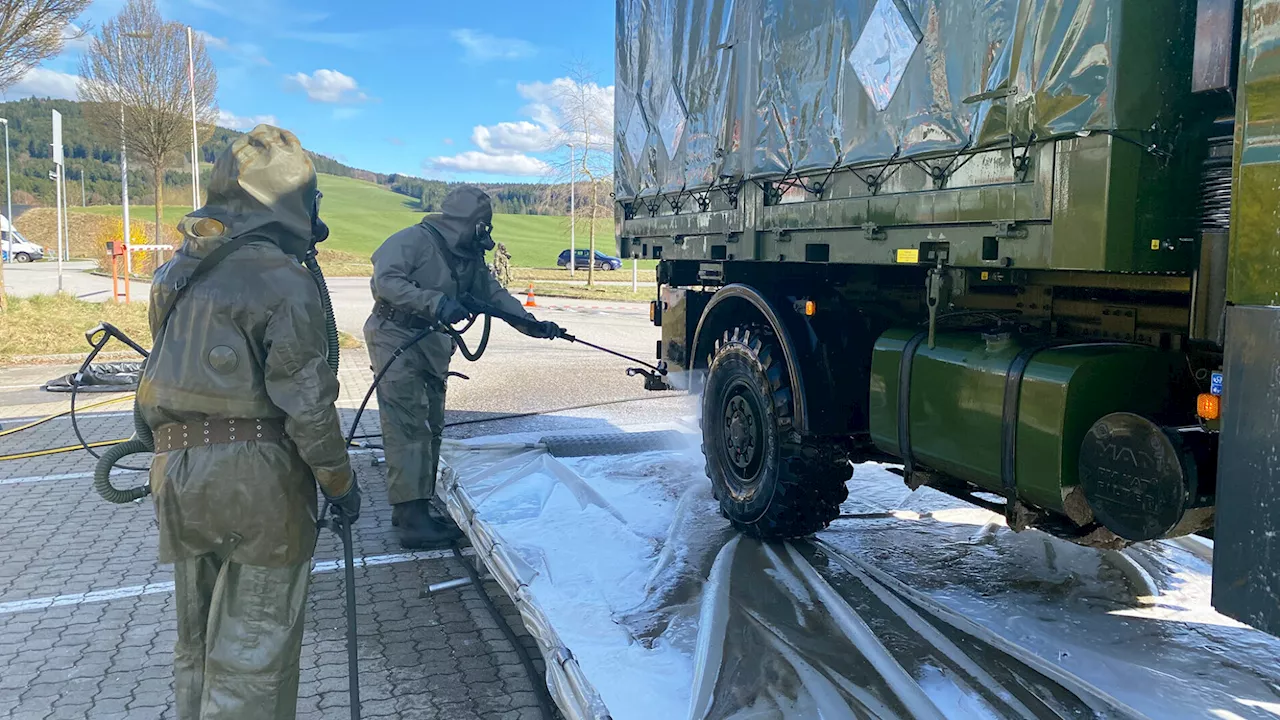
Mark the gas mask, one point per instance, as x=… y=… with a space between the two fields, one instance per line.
x=484 y=236
x=319 y=231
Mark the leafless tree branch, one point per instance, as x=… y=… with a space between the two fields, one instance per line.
x=138 y=61
x=586 y=124
x=32 y=31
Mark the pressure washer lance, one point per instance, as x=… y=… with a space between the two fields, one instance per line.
x=654 y=374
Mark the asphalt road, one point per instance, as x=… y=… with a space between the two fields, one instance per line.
x=41 y=278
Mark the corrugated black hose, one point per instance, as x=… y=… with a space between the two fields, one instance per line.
x=142 y=440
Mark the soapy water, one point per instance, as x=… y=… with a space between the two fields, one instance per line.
x=922 y=607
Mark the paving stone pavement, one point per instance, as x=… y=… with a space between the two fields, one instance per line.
x=87 y=620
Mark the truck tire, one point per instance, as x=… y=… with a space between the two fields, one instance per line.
x=770 y=481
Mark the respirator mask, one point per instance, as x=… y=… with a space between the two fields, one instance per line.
x=484 y=236
x=319 y=231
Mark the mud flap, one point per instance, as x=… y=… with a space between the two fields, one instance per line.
x=1246 y=557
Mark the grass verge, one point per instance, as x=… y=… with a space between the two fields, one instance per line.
x=600 y=292
x=55 y=324
x=526 y=275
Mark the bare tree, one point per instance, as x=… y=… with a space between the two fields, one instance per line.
x=585 y=112
x=138 y=62
x=30 y=32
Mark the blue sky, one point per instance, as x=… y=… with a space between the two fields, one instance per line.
x=463 y=91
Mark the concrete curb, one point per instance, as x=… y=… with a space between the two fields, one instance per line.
x=69 y=358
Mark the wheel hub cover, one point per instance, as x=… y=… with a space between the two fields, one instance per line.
x=742 y=433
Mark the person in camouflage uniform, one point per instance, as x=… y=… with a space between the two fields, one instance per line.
x=502 y=265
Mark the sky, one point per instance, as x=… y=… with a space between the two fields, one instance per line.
x=452 y=91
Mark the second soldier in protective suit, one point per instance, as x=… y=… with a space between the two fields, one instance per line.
x=420 y=276
x=240 y=400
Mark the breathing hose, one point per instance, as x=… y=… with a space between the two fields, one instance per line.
x=326 y=303
x=142 y=440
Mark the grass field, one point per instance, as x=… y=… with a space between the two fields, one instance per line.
x=361 y=215
x=55 y=324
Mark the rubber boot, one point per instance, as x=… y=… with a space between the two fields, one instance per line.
x=418 y=529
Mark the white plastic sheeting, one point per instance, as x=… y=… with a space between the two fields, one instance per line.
x=647 y=605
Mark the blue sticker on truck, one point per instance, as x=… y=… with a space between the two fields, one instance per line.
x=1215 y=383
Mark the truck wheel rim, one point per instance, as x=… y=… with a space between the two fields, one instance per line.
x=742 y=437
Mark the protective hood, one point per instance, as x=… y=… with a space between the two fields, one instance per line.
x=263 y=185
x=464 y=209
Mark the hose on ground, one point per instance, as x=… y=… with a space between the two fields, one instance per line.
x=55 y=416
x=58 y=450
x=539 y=685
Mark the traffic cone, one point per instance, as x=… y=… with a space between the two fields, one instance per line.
x=528 y=300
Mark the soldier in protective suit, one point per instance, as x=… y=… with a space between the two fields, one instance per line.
x=420 y=275
x=240 y=400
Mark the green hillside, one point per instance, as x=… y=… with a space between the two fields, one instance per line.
x=95 y=161
x=361 y=215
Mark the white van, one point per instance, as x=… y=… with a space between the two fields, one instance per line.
x=16 y=248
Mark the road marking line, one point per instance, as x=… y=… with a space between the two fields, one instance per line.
x=82 y=475
x=67 y=476
x=96 y=596
x=82 y=416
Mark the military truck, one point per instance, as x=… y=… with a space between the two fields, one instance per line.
x=1028 y=251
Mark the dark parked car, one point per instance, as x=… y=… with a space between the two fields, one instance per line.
x=580 y=262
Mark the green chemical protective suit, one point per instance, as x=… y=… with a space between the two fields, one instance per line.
x=243 y=357
x=418 y=273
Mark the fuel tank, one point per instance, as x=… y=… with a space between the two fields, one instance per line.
x=1009 y=413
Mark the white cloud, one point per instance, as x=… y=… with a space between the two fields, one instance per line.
x=213 y=41
x=556 y=105
x=481 y=46
x=75 y=38
x=327 y=86
x=511 y=148
x=478 y=162
x=247 y=53
x=229 y=119
x=42 y=82
x=522 y=136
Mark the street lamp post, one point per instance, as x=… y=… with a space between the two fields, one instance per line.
x=573 y=215
x=124 y=165
x=124 y=176
x=8 y=213
x=195 y=142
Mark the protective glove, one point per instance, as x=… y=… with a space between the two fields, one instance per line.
x=347 y=506
x=545 y=329
x=450 y=311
